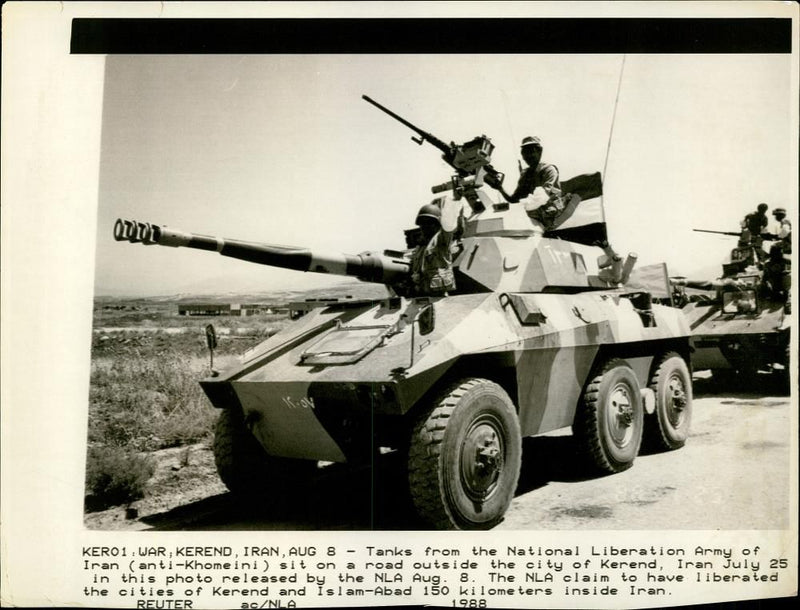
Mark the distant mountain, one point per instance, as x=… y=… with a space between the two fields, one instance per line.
x=356 y=290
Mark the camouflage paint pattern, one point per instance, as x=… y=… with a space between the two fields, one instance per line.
x=547 y=343
x=526 y=313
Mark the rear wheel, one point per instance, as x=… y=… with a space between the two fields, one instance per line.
x=464 y=457
x=609 y=421
x=244 y=466
x=668 y=427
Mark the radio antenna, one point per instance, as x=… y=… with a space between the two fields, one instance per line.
x=613 y=118
x=508 y=122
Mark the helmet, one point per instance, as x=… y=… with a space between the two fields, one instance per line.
x=762 y=207
x=777 y=211
x=531 y=141
x=430 y=210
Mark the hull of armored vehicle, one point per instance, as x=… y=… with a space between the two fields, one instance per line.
x=350 y=378
x=744 y=342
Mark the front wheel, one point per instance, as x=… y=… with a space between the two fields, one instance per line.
x=609 y=421
x=668 y=427
x=464 y=457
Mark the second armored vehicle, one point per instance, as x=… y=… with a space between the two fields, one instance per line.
x=528 y=342
x=741 y=324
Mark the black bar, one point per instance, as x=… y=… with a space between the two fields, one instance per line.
x=457 y=36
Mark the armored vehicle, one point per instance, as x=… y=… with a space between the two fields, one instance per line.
x=740 y=322
x=528 y=342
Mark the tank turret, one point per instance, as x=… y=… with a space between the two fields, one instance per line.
x=497 y=250
x=498 y=247
x=529 y=341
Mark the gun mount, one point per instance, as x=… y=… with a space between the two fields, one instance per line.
x=471 y=160
x=528 y=342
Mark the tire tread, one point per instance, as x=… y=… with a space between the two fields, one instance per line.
x=425 y=453
x=656 y=437
x=586 y=426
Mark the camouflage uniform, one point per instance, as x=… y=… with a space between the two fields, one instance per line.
x=432 y=266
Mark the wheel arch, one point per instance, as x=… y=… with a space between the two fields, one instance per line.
x=651 y=351
x=497 y=367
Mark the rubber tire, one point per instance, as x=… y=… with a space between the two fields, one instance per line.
x=662 y=432
x=243 y=465
x=436 y=468
x=591 y=424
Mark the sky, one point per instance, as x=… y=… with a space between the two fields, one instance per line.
x=282 y=149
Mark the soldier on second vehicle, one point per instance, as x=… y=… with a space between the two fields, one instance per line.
x=777 y=268
x=537 y=174
x=784 y=230
x=432 y=259
x=753 y=225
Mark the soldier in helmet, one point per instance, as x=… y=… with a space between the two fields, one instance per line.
x=432 y=259
x=537 y=174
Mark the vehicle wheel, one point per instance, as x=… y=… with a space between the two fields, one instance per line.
x=464 y=457
x=244 y=466
x=668 y=427
x=609 y=420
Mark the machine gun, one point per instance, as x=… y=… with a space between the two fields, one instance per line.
x=763 y=234
x=471 y=160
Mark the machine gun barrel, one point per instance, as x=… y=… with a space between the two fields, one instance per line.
x=471 y=158
x=446 y=149
x=369 y=266
x=732 y=233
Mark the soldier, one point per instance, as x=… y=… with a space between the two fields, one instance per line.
x=537 y=174
x=432 y=260
x=777 y=270
x=784 y=232
x=755 y=223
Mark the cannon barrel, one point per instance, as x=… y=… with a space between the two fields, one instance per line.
x=368 y=266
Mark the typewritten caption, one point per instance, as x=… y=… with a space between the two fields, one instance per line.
x=463 y=575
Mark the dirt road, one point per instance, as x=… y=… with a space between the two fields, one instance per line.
x=733 y=473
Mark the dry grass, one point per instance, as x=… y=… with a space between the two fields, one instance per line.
x=144 y=393
x=115 y=475
x=148 y=402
